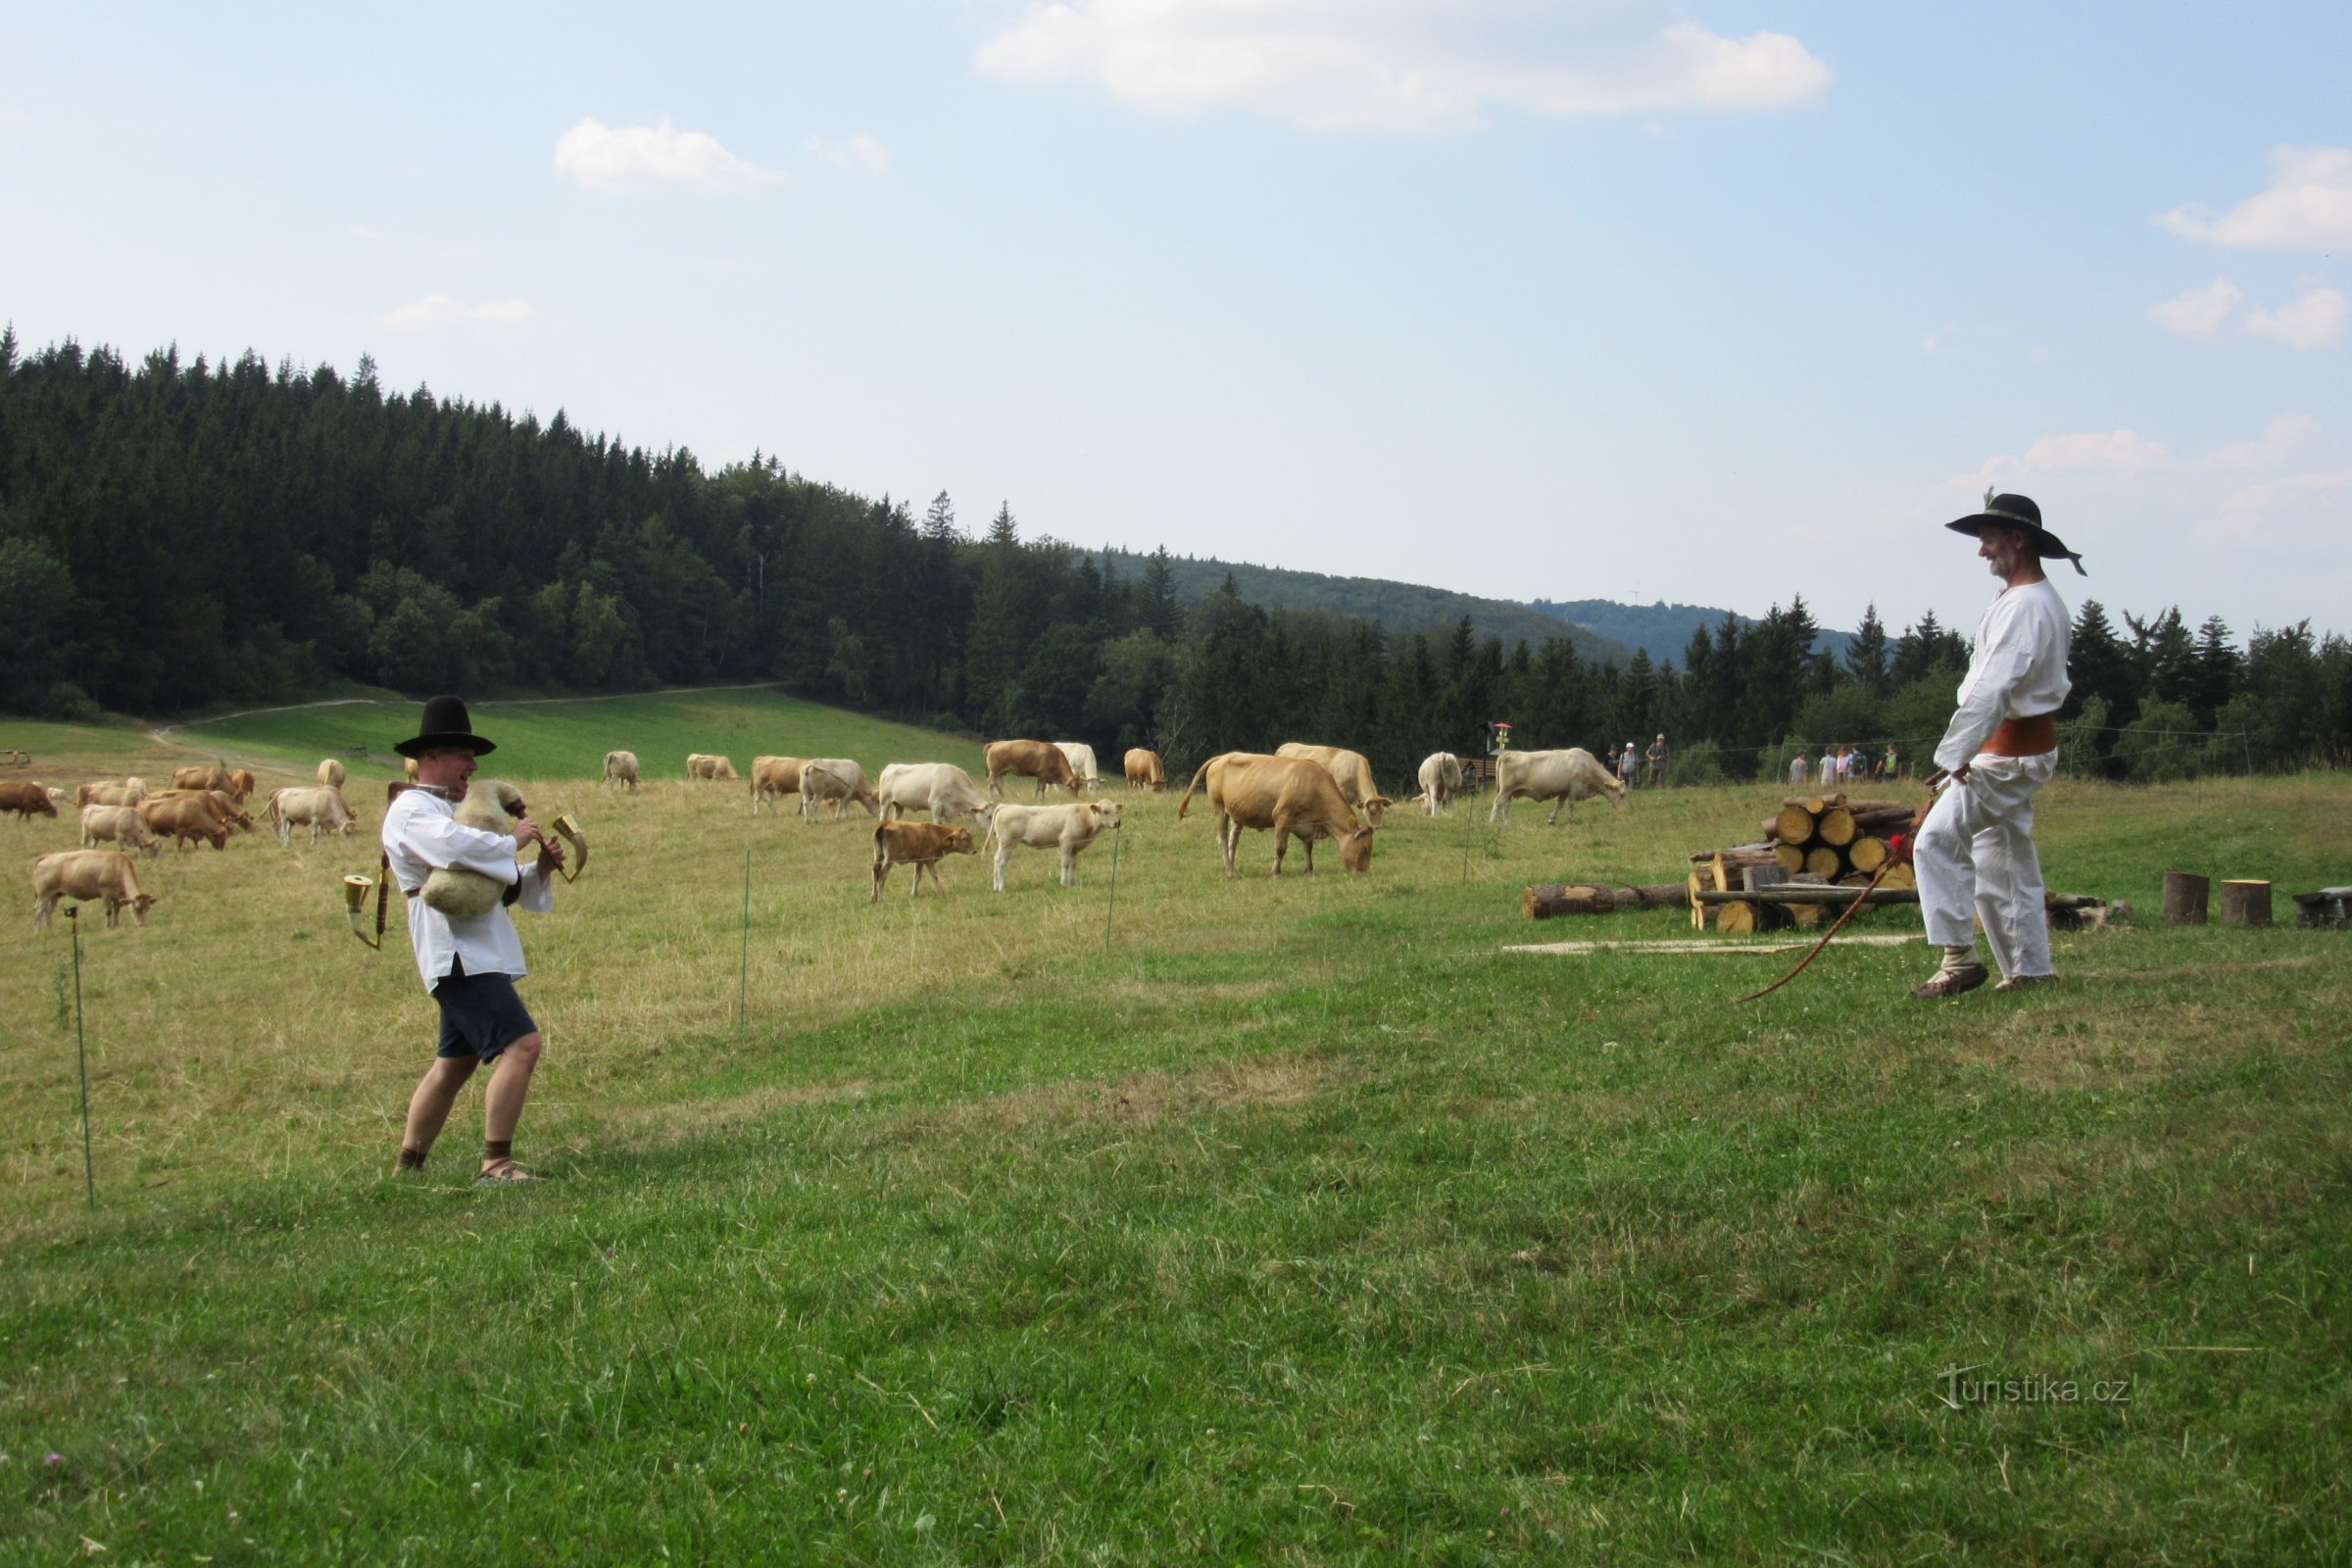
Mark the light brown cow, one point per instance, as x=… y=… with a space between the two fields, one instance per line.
x=321 y=810
x=331 y=774
x=27 y=799
x=1353 y=773
x=920 y=845
x=699 y=766
x=207 y=777
x=1068 y=828
x=240 y=785
x=131 y=792
x=83 y=875
x=409 y=767
x=1145 y=773
x=1040 y=760
x=621 y=768
x=838 y=782
x=182 y=816
x=224 y=810
x=1288 y=794
x=773 y=776
x=119 y=824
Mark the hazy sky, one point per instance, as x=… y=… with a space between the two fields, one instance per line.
x=1719 y=303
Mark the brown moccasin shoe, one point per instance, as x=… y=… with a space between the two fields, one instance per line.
x=1953 y=983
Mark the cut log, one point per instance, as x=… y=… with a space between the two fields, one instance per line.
x=1866 y=855
x=1834 y=897
x=2185 y=897
x=1808 y=917
x=1791 y=858
x=1814 y=805
x=1793 y=824
x=1900 y=878
x=1542 y=903
x=2245 y=902
x=1825 y=863
x=1837 y=827
x=1736 y=919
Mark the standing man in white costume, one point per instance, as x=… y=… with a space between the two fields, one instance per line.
x=1974 y=855
x=468 y=965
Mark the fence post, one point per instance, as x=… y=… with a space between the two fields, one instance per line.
x=82 y=1051
x=743 y=982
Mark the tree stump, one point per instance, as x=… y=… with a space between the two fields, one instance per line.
x=2245 y=902
x=2185 y=896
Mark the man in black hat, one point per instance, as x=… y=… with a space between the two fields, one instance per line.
x=469 y=965
x=1974 y=855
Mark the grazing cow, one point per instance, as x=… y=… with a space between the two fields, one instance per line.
x=409 y=767
x=240 y=785
x=940 y=788
x=1441 y=781
x=1144 y=771
x=1291 y=795
x=920 y=845
x=1030 y=760
x=621 y=768
x=1350 y=769
x=773 y=776
x=321 y=810
x=1082 y=765
x=1563 y=777
x=331 y=774
x=185 y=816
x=203 y=778
x=25 y=797
x=224 y=810
x=131 y=792
x=835 y=781
x=1070 y=828
x=119 y=824
x=82 y=875
x=699 y=765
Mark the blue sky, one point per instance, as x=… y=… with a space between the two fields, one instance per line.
x=1717 y=303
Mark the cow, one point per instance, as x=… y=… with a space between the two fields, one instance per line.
x=1144 y=770
x=223 y=809
x=1441 y=781
x=185 y=816
x=621 y=768
x=1564 y=777
x=1070 y=828
x=1353 y=773
x=317 y=807
x=240 y=785
x=920 y=845
x=331 y=774
x=940 y=788
x=121 y=824
x=773 y=776
x=699 y=766
x=1082 y=765
x=1291 y=795
x=206 y=777
x=409 y=767
x=82 y=875
x=25 y=797
x=1030 y=760
x=131 y=792
x=835 y=781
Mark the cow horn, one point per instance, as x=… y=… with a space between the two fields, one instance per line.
x=568 y=828
x=355 y=905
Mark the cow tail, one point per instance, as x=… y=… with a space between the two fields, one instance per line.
x=1185 y=805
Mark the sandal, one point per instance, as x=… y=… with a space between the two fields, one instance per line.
x=505 y=1175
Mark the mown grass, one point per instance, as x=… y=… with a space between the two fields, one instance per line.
x=1291 y=1222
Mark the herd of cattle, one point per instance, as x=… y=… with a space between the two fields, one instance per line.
x=1309 y=793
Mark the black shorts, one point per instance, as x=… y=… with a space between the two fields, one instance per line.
x=480 y=1013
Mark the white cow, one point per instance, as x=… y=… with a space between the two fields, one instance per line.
x=1071 y=829
x=835 y=781
x=1441 y=781
x=620 y=769
x=943 y=789
x=1564 y=777
x=317 y=807
x=121 y=824
x=1082 y=763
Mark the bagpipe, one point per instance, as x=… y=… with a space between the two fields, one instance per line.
x=489 y=804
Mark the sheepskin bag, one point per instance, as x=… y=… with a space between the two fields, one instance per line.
x=493 y=806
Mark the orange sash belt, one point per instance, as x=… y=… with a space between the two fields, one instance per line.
x=2025 y=737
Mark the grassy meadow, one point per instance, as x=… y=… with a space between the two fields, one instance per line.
x=1247 y=1220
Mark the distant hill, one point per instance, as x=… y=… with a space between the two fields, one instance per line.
x=1664 y=630
x=1398 y=607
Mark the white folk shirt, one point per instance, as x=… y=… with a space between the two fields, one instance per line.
x=2018 y=669
x=422 y=836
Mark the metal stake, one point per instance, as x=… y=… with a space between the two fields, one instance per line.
x=1119 y=837
x=89 y=1167
x=743 y=984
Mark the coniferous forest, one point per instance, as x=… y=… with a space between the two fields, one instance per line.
x=181 y=535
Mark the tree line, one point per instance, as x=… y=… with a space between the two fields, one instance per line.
x=179 y=535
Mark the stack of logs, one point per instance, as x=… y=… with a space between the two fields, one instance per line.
x=1819 y=840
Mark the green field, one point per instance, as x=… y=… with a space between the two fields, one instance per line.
x=1247 y=1221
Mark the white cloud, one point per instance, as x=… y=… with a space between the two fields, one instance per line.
x=2116 y=456
x=2308 y=205
x=2200 y=311
x=439 y=312
x=2313 y=321
x=2323 y=498
x=618 y=160
x=859 y=151
x=1400 y=65
x=2274 y=446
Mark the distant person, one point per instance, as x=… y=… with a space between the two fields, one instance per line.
x=1891 y=766
x=1798 y=770
x=1612 y=762
x=1975 y=854
x=1845 y=765
x=1629 y=764
x=1829 y=767
x=1657 y=757
x=468 y=965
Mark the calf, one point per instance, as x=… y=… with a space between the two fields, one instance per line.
x=920 y=845
x=83 y=875
x=1070 y=828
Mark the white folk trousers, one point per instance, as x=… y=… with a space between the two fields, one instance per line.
x=1976 y=861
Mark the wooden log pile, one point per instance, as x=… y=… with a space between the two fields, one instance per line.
x=1834 y=840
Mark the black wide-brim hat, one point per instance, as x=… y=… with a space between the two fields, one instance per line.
x=444 y=724
x=2019 y=512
